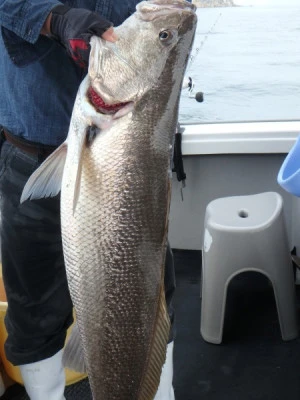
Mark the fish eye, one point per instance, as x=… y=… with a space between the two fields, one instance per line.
x=166 y=36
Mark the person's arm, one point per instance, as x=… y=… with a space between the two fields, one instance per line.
x=26 y=18
x=107 y=35
x=71 y=27
x=46 y=28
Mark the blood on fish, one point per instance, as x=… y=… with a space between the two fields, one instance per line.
x=100 y=104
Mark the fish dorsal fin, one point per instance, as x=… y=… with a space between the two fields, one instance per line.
x=157 y=354
x=46 y=180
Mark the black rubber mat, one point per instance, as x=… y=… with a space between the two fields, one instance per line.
x=252 y=363
x=77 y=391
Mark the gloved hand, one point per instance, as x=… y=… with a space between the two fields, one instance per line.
x=73 y=28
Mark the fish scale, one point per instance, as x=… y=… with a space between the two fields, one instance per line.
x=115 y=197
x=116 y=282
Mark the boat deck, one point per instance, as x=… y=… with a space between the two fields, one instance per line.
x=252 y=363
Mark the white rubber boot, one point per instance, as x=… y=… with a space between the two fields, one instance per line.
x=45 y=379
x=165 y=389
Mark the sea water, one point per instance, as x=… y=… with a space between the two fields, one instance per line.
x=246 y=61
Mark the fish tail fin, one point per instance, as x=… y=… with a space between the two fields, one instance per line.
x=46 y=180
x=73 y=357
x=157 y=355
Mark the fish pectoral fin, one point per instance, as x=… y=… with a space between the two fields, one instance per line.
x=73 y=352
x=46 y=180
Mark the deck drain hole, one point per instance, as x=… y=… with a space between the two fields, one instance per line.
x=243 y=214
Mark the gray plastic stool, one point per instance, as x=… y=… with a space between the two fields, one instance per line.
x=246 y=233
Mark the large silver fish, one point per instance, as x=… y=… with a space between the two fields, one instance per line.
x=115 y=195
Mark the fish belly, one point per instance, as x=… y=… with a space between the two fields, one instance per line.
x=114 y=246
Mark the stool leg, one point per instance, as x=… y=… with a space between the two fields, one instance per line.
x=212 y=306
x=278 y=264
x=285 y=297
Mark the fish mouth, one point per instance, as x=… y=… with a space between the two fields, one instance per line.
x=99 y=104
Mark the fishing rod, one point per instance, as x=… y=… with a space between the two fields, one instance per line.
x=197 y=50
x=199 y=95
x=178 y=167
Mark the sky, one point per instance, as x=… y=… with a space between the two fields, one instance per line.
x=267 y=2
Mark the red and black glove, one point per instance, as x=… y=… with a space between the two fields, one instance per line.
x=73 y=28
